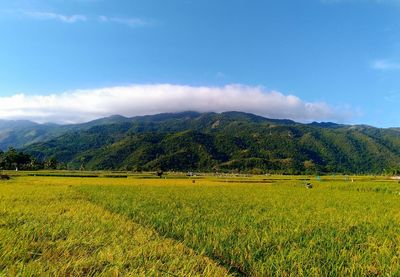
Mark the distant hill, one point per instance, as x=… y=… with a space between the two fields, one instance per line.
x=21 y=133
x=230 y=141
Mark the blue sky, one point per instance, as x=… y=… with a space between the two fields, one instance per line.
x=305 y=60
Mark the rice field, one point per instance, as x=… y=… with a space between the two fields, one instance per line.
x=202 y=226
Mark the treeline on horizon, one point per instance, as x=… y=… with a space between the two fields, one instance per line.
x=13 y=159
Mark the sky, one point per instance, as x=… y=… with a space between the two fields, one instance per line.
x=310 y=60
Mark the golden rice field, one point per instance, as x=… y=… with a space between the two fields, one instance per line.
x=215 y=226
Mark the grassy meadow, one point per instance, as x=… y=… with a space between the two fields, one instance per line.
x=204 y=226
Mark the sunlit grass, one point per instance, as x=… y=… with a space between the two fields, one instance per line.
x=47 y=227
x=278 y=228
x=255 y=225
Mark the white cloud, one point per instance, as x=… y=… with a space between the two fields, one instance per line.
x=55 y=16
x=385 y=65
x=130 y=22
x=85 y=105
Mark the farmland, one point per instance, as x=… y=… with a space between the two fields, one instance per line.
x=207 y=225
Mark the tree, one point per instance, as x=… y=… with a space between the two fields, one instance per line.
x=2 y=161
x=309 y=166
x=51 y=163
x=11 y=158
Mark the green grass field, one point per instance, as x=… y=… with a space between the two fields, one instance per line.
x=217 y=226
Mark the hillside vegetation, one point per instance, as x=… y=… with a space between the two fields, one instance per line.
x=230 y=141
x=21 y=133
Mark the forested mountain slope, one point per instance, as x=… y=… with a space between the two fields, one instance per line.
x=21 y=133
x=230 y=141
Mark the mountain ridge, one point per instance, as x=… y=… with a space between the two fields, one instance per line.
x=229 y=141
x=21 y=133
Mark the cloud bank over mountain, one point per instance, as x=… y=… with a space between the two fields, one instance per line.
x=84 y=105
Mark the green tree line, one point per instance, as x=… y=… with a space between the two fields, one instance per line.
x=13 y=159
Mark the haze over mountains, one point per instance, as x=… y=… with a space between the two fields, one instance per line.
x=229 y=141
x=21 y=133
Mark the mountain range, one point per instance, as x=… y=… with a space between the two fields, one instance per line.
x=223 y=142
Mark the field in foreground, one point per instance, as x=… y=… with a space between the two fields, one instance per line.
x=215 y=226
